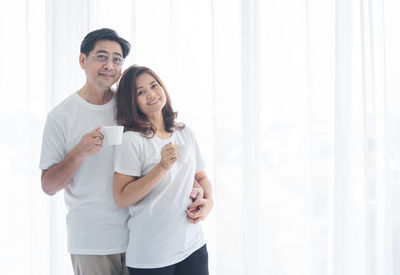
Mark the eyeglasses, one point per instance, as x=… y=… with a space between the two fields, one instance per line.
x=103 y=59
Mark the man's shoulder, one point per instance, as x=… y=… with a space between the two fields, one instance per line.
x=63 y=107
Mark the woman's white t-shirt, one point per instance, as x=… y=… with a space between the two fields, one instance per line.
x=160 y=232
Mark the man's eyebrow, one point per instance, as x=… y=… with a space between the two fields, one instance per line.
x=104 y=51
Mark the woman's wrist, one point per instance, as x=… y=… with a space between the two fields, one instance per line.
x=161 y=168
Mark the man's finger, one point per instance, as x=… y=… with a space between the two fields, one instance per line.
x=97 y=141
x=195 y=193
x=200 y=194
x=194 y=210
x=190 y=214
x=195 y=215
x=97 y=135
x=192 y=207
x=96 y=131
x=196 y=204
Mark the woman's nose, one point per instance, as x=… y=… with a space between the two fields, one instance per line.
x=150 y=94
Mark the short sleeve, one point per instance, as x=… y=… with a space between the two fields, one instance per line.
x=200 y=165
x=127 y=155
x=53 y=144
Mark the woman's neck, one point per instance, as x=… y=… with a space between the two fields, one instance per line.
x=162 y=134
x=158 y=122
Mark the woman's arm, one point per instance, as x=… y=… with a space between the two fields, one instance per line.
x=201 y=207
x=129 y=189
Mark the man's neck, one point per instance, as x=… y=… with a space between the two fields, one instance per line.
x=95 y=96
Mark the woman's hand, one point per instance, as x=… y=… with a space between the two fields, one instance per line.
x=168 y=156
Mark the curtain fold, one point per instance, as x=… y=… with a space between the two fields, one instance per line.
x=349 y=203
x=251 y=136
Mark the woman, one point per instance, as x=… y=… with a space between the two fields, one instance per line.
x=165 y=236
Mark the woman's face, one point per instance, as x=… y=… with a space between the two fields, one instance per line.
x=150 y=95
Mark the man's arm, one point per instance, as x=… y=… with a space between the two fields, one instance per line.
x=201 y=207
x=59 y=176
x=197 y=191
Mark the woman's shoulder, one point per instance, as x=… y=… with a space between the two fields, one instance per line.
x=185 y=130
x=181 y=128
x=179 y=125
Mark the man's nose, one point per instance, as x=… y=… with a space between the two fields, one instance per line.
x=108 y=64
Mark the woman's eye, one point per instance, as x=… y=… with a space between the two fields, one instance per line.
x=140 y=92
x=154 y=85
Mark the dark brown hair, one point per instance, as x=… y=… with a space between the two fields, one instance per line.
x=90 y=40
x=128 y=113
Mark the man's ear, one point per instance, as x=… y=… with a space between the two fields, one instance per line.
x=82 y=60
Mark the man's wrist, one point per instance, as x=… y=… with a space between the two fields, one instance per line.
x=210 y=200
x=76 y=154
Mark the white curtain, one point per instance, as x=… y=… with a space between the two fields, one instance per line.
x=294 y=103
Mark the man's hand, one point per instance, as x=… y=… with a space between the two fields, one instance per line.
x=90 y=144
x=199 y=209
x=197 y=191
x=59 y=176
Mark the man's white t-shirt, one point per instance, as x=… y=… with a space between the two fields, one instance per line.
x=95 y=225
x=160 y=232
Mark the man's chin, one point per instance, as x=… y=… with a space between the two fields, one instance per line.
x=106 y=85
x=107 y=81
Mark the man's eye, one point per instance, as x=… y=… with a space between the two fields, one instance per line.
x=101 y=57
x=117 y=60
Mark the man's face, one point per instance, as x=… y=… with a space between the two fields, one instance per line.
x=103 y=64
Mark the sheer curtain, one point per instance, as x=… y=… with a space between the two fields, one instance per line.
x=309 y=160
x=25 y=225
x=294 y=103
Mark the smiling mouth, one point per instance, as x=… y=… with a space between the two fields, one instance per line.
x=152 y=102
x=106 y=75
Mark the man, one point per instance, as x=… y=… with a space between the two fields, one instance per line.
x=73 y=158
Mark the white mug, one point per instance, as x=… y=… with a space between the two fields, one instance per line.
x=183 y=152
x=112 y=134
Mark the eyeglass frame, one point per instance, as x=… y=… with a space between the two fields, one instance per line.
x=107 y=58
